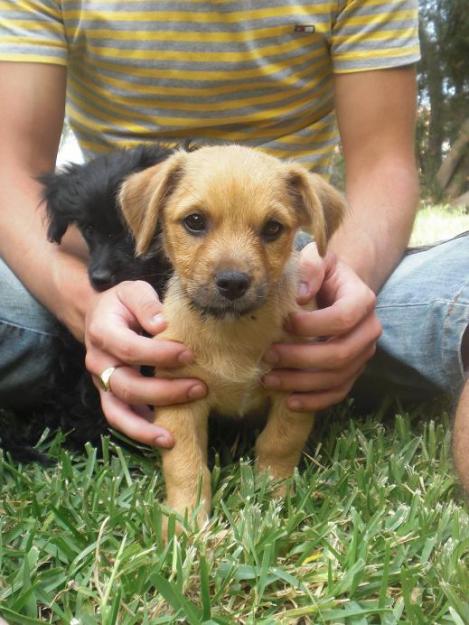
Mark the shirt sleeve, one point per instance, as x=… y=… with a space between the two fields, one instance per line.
x=374 y=34
x=32 y=31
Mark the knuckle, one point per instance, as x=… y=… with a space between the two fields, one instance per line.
x=377 y=328
x=94 y=333
x=126 y=393
x=347 y=320
x=342 y=356
x=90 y=363
x=127 y=353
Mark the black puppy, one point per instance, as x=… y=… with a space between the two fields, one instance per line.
x=87 y=196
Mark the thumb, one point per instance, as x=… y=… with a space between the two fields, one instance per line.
x=141 y=299
x=311 y=271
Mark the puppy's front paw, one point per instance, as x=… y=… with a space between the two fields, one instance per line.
x=280 y=474
x=194 y=519
x=193 y=505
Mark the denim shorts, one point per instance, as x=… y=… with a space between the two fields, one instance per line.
x=424 y=310
x=423 y=307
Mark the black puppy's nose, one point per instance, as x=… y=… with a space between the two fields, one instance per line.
x=102 y=279
x=232 y=284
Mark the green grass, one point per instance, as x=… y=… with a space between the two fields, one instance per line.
x=375 y=532
x=434 y=223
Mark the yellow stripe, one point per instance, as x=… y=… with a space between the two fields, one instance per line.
x=308 y=140
x=323 y=151
x=120 y=116
x=182 y=55
x=248 y=132
x=34 y=41
x=156 y=89
x=386 y=36
x=29 y=25
x=205 y=17
x=310 y=91
x=189 y=37
x=378 y=19
x=38 y=7
x=205 y=74
x=377 y=54
x=102 y=82
x=32 y=58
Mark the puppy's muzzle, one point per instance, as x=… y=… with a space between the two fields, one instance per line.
x=232 y=284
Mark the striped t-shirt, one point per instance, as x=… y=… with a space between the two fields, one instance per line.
x=258 y=72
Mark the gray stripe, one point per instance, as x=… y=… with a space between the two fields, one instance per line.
x=386 y=8
x=373 y=63
x=396 y=45
x=189 y=66
x=169 y=109
x=296 y=110
x=170 y=101
x=192 y=7
x=321 y=146
x=199 y=27
x=206 y=46
x=136 y=81
x=33 y=49
x=399 y=24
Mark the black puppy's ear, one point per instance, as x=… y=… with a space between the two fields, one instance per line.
x=143 y=195
x=55 y=196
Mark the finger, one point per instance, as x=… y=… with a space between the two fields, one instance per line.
x=335 y=320
x=330 y=355
x=132 y=388
x=126 y=346
x=123 y=418
x=304 y=381
x=311 y=270
x=141 y=298
x=311 y=402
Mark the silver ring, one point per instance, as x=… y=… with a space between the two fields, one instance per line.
x=105 y=378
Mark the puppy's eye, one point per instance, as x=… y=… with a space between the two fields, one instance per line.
x=272 y=230
x=195 y=223
x=88 y=230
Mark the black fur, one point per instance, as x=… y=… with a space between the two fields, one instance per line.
x=87 y=196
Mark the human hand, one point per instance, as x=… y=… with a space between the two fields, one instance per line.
x=114 y=322
x=320 y=374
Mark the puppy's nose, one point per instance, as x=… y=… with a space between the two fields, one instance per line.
x=101 y=279
x=232 y=284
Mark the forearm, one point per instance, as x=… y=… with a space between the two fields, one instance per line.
x=56 y=278
x=382 y=201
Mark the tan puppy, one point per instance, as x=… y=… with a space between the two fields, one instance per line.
x=228 y=217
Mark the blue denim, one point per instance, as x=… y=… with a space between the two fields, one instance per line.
x=27 y=334
x=423 y=307
x=424 y=310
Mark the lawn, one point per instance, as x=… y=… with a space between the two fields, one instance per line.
x=375 y=531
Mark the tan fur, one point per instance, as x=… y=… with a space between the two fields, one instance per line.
x=238 y=190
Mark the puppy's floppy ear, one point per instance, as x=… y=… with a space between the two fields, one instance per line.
x=318 y=205
x=142 y=198
x=56 y=197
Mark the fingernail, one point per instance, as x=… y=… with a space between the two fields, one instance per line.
x=271 y=380
x=271 y=356
x=185 y=357
x=294 y=404
x=303 y=289
x=196 y=392
x=159 y=321
x=162 y=441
